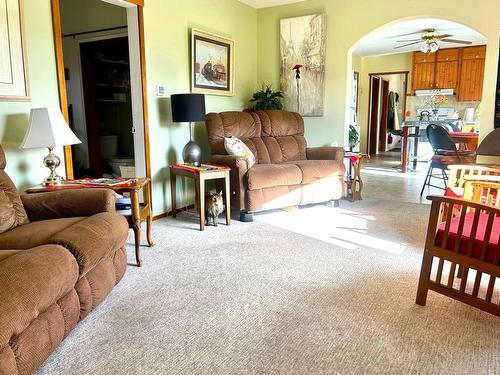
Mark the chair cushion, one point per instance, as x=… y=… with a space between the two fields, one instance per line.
x=451 y=158
x=262 y=176
x=12 y=212
x=36 y=233
x=479 y=239
x=315 y=170
x=93 y=238
x=32 y=280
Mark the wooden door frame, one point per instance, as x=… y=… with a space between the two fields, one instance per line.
x=61 y=80
x=382 y=130
x=373 y=125
x=368 y=122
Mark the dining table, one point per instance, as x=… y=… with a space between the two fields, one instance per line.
x=467 y=141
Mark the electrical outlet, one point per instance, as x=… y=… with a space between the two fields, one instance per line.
x=160 y=91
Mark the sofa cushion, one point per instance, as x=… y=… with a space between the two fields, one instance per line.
x=281 y=123
x=12 y=212
x=32 y=281
x=269 y=175
x=93 y=238
x=34 y=234
x=315 y=170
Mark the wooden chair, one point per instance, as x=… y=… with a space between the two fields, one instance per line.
x=468 y=238
x=459 y=173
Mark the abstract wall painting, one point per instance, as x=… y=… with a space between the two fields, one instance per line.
x=303 y=51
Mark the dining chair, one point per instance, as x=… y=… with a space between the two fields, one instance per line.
x=445 y=154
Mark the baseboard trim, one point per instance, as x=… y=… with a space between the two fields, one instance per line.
x=170 y=213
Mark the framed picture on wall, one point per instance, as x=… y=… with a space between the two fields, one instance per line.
x=13 y=62
x=212 y=64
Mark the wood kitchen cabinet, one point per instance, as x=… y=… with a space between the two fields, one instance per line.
x=472 y=74
x=424 y=67
x=460 y=69
x=447 y=68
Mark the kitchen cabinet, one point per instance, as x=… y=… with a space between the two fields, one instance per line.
x=472 y=74
x=447 y=69
x=436 y=70
x=424 y=67
x=460 y=69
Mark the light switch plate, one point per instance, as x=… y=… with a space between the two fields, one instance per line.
x=160 y=91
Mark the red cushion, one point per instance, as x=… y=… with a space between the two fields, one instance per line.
x=493 y=239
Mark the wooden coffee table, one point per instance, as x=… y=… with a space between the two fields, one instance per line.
x=140 y=211
x=200 y=176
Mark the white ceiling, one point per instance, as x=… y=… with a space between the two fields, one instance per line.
x=268 y=3
x=382 y=42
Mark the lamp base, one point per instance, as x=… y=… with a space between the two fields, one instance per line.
x=52 y=161
x=191 y=154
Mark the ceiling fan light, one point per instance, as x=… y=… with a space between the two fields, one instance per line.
x=424 y=48
x=433 y=47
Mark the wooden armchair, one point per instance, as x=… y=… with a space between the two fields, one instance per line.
x=459 y=173
x=462 y=248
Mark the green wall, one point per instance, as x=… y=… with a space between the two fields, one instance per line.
x=167 y=25
x=350 y=21
x=25 y=166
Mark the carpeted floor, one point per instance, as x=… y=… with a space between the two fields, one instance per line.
x=332 y=295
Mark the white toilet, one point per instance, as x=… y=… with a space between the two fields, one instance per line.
x=109 y=151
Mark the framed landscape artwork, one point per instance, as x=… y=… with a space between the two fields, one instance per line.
x=13 y=69
x=302 y=77
x=212 y=64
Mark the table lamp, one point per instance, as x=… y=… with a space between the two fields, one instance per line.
x=48 y=128
x=189 y=108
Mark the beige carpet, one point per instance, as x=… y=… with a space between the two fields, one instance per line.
x=258 y=299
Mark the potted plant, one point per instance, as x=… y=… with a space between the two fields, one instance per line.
x=353 y=137
x=266 y=98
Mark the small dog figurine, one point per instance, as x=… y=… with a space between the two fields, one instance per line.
x=213 y=207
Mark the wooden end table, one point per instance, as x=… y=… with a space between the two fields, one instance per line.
x=140 y=211
x=354 y=181
x=200 y=176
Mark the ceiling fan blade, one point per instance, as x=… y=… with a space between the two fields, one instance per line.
x=408 y=40
x=456 y=41
x=407 y=34
x=443 y=36
x=406 y=45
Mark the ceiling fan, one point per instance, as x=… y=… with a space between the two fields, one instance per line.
x=429 y=39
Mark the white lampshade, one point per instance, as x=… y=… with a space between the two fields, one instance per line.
x=48 y=128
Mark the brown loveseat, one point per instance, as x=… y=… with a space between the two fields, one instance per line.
x=61 y=253
x=287 y=172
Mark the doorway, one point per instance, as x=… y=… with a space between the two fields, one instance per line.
x=386 y=109
x=102 y=87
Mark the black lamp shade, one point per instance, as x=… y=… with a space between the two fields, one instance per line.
x=188 y=107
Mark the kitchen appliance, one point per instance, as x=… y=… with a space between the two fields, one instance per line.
x=424 y=115
x=448 y=92
x=469 y=115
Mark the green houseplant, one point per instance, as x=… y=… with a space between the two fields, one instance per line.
x=266 y=98
x=353 y=137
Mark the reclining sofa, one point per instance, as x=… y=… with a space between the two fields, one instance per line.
x=287 y=173
x=61 y=254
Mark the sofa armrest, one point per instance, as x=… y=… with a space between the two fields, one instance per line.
x=68 y=203
x=325 y=153
x=238 y=182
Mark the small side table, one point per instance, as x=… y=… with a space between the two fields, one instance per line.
x=354 y=181
x=201 y=174
x=140 y=211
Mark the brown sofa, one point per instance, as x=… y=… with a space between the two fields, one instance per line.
x=61 y=253
x=287 y=172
